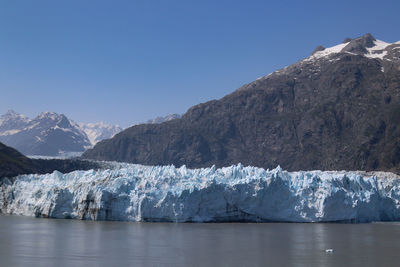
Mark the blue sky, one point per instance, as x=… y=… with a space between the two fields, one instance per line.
x=124 y=62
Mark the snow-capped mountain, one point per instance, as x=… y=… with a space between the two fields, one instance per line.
x=99 y=131
x=12 y=122
x=338 y=108
x=50 y=134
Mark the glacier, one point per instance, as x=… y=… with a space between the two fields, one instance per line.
x=130 y=192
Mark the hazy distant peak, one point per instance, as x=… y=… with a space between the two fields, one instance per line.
x=98 y=124
x=12 y=114
x=11 y=121
x=51 y=115
x=161 y=119
x=99 y=131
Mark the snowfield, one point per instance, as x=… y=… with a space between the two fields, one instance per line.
x=130 y=192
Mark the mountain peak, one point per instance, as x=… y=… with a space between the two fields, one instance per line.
x=365 y=45
x=346 y=40
x=51 y=133
x=367 y=39
x=50 y=115
x=12 y=118
x=360 y=44
x=12 y=114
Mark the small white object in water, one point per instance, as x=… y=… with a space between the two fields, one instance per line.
x=329 y=250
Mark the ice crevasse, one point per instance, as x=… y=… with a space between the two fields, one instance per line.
x=129 y=192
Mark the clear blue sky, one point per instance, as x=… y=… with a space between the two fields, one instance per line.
x=124 y=62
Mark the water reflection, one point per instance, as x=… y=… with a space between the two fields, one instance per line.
x=46 y=242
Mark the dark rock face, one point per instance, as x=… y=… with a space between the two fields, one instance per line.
x=331 y=112
x=346 y=40
x=359 y=45
x=13 y=163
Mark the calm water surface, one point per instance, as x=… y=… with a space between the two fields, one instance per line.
x=28 y=241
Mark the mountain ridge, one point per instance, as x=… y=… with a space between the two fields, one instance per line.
x=13 y=163
x=51 y=134
x=332 y=110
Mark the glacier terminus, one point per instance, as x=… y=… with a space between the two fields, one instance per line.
x=129 y=192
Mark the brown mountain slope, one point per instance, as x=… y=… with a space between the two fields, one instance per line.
x=333 y=110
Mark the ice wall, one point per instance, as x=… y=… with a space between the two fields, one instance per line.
x=153 y=193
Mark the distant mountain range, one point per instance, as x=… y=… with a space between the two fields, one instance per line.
x=339 y=108
x=51 y=134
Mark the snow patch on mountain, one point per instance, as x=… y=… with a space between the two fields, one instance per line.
x=9 y=132
x=377 y=51
x=328 y=51
x=164 y=193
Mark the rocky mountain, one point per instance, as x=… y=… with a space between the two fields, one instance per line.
x=337 y=109
x=13 y=163
x=99 y=131
x=50 y=134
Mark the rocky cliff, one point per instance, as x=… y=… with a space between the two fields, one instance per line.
x=337 y=109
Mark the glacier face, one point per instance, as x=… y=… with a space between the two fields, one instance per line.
x=164 y=193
